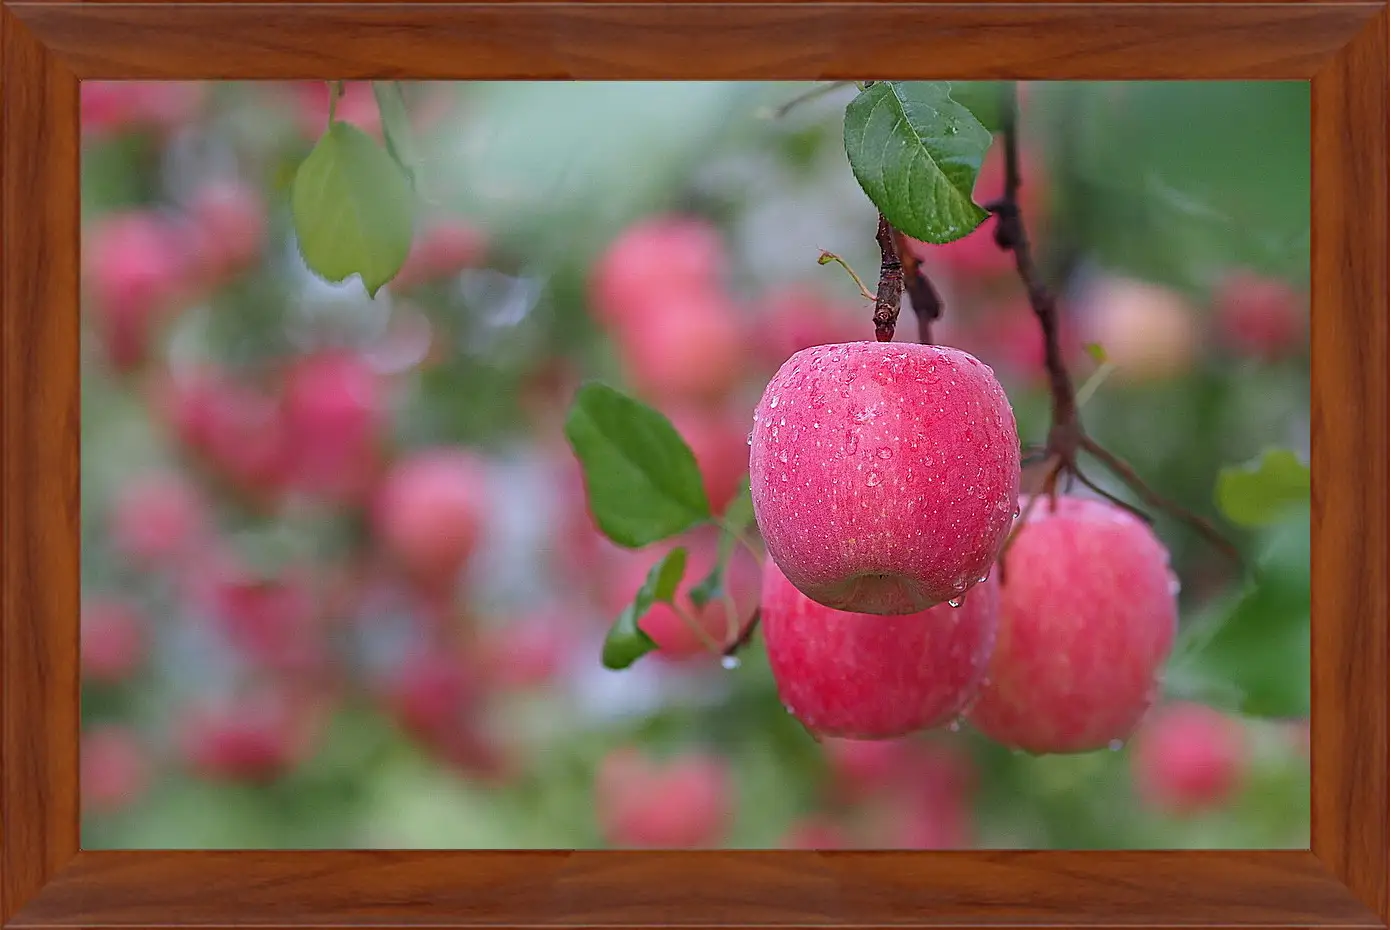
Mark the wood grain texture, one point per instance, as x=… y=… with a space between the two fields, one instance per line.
x=696 y=889
x=699 y=41
x=38 y=465
x=44 y=48
x=1349 y=462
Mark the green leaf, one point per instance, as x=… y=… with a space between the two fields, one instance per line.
x=1264 y=489
x=710 y=588
x=626 y=642
x=353 y=209
x=396 y=128
x=916 y=152
x=1097 y=353
x=983 y=99
x=1252 y=654
x=641 y=477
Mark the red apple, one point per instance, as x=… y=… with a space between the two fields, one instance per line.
x=274 y=622
x=158 y=520
x=430 y=511
x=885 y=476
x=256 y=738
x=681 y=803
x=432 y=694
x=233 y=428
x=868 y=676
x=1188 y=758
x=113 y=641
x=135 y=269
x=1087 y=619
x=652 y=260
x=229 y=224
x=114 y=771
x=1259 y=316
x=334 y=414
x=690 y=346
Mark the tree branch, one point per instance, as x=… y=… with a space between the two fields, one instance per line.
x=1066 y=438
x=889 y=299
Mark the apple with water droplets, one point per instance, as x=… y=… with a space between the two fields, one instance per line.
x=1088 y=614
x=867 y=676
x=885 y=477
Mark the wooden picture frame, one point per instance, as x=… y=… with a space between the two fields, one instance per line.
x=47 y=48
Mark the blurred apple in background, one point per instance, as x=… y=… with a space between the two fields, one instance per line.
x=1147 y=331
x=1259 y=316
x=1188 y=758
x=113 y=640
x=684 y=802
x=114 y=771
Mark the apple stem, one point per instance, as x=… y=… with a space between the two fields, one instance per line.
x=1066 y=438
x=889 y=300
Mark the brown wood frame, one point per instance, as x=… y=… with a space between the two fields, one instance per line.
x=47 y=48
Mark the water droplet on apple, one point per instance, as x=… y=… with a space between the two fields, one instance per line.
x=774 y=403
x=956 y=601
x=730 y=662
x=1175 y=586
x=750 y=439
x=782 y=457
x=955 y=725
x=1115 y=745
x=852 y=443
x=873 y=479
x=885 y=453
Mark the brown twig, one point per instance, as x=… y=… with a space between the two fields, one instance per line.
x=1132 y=480
x=926 y=302
x=889 y=299
x=1066 y=438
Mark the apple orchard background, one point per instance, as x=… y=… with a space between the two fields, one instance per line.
x=340 y=586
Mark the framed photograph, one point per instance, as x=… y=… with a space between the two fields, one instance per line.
x=576 y=464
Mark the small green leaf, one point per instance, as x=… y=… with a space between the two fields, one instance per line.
x=710 y=587
x=396 y=128
x=626 y=642
x=1263 y=490
x=641 y=478
x=353 y=209
x=916 y=152
x=1097 y=353
x=1251 y=655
